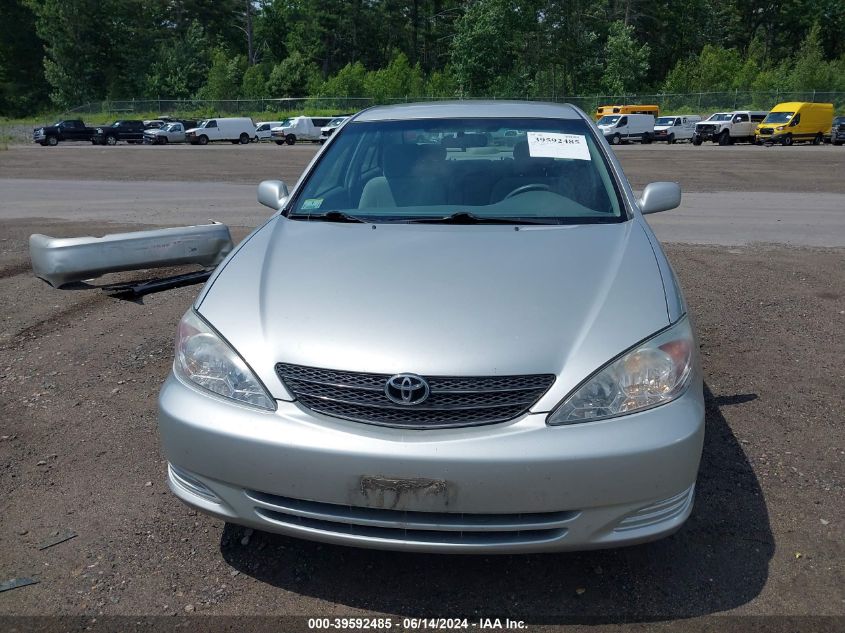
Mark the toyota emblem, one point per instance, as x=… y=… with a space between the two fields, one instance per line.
x=406 y=389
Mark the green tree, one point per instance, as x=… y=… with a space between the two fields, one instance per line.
x=293 y=77
x=180 y=65
x=626 y=61
x=78 y=47
x=224 y=76
x=399 y=80
x=23 y=88
x=254 y=85
x=809 y=70
x=488 y=45
x=348 y=82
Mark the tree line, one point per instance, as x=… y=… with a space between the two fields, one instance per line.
x=62 y=53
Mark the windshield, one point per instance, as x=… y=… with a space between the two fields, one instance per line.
x=172 y=127
x=665 y=120
x=550 y=171
x=720 y=116
x=778 y=117
x=608 y=120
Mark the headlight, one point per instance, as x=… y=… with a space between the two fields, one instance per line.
x=779 y=128
x=653 y=373
x=205 y=359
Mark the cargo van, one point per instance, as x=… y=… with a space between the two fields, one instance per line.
x=232 y=129
x=796 y=121
x=653 y=110
x=619 y=128
x=675 y=127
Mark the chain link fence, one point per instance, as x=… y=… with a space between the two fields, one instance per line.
x=696 y=102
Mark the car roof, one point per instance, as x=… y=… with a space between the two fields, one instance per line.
x=470 y=109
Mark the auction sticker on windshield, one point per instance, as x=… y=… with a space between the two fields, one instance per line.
x=557 y=145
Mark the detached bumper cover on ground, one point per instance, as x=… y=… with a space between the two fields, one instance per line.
x=60 y=261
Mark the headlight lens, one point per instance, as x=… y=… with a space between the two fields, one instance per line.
x=653 y=373
x=204 y=359
x=780 y=127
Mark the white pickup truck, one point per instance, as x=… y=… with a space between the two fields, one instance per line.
x=727 y=128
x=300 y=128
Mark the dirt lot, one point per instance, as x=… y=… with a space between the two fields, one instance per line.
x=699 y=169
x=79 y=372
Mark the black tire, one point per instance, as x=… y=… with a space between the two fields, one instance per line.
x=787 y=140
x=111 y=140
x=280 y=142
x=646 y=139
x=818 y=139
x=255 y=139
x=162 y=140
x=725 y=138
x=52 y=141
x=615 y=139
x=42 y=143
x=671 y=139
x=290 y=139
x=243 y=139
x=203 y=139
x=696 y=140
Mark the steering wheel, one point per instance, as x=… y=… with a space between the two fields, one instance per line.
x=534 y=186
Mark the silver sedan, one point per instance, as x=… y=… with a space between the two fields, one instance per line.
x=456 y=334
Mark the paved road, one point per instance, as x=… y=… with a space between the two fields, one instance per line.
x=722 y=218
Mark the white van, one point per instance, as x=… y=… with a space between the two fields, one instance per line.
x=232 y=129
x=262 y=129
x=618 y=128
x=300 y=128
x=675 y=127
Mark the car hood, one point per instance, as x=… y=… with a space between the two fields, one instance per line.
x=438 y=300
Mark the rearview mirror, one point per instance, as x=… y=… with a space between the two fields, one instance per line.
x=659 y=196
x=273 y=194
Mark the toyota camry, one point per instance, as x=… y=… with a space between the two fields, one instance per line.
x=456 y=333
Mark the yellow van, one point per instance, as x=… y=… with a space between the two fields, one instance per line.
x=796 y=121
x=653 y=110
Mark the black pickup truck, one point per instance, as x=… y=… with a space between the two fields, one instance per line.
x=123 y=130
x=67 y=130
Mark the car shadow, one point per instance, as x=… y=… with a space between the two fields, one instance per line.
x=718 y=561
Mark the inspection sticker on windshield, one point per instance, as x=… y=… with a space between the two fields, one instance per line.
x=312 y=203
x=557 y=145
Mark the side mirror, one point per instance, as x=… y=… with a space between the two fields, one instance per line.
x=660 y=196
x=273 y=194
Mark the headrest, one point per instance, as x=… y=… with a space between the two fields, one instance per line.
x=523 y=160
x=404 y=161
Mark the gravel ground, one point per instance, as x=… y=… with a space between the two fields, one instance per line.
x=79 y=372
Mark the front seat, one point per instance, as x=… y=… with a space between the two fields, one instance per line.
x=412 y=178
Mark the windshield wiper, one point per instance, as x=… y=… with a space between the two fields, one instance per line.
x=464 y=217
x=328 y=216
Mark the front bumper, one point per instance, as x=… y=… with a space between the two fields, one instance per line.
x=708 y=134
x=514 y=487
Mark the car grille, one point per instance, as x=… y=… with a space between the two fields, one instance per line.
x=766 y=130
x=452 y=402
x=412 y=526
x=707 y=128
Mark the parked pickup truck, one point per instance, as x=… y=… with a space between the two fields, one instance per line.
x=124 y=130
x=300 y=128
x=727 y=128
x=67 y=130
x=173 y=132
